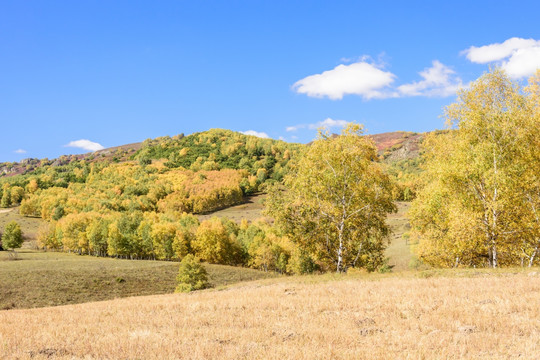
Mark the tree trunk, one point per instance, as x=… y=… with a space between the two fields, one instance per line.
x=340 y=251
x=494 y=258
x=533 y=256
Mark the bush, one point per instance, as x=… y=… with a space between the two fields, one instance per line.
x=12 y=238
x=191 y=275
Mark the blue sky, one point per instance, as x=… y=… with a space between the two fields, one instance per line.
x=117 y=72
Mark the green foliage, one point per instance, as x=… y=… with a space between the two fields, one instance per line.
x=6 y=198
x=221 y=149
x=12 y=236
x=192 y=275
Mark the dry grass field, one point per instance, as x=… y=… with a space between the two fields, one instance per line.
x=452 y=315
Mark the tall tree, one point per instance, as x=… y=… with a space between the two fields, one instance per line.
x=336 y=201
x=473 y=209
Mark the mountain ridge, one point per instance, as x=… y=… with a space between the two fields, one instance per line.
x=391 y=146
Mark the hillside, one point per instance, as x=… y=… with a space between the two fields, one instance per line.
x=142 y=207
x=457 y=315
x=393 y=146
x=38 y=279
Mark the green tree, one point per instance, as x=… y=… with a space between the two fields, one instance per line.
x=12 y=237
x=191 y=275
x=336 y=201
x=6 y=198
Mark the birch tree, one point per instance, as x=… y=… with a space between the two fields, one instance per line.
x=336 y=201
x=480 y=173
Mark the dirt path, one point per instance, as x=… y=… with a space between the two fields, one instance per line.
x=399 y=250
x=5 y=210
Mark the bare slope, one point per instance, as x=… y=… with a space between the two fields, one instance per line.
x=486 y=316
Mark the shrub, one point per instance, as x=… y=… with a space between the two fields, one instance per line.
x=12 y=238
x=191 y=275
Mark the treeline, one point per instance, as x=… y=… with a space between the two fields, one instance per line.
x=152 y=235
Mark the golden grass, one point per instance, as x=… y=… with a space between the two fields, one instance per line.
x=487 y=315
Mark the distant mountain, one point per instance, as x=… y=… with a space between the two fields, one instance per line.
x=398 y=145
x=113 y=154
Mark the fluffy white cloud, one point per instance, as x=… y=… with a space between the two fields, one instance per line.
x=523 y=63
x=20 y=151
x=498 y=51
x=518 y=57
x=360 y=78
x=438 y=80
x=85 y=145
x=327 y=123
x=256 y=133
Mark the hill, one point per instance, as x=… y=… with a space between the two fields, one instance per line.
x=455 y=315
x=393 y=146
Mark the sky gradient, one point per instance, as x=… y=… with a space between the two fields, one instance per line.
x=104 y=73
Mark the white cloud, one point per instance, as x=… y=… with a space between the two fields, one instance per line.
x=523 y=63
x=498 y=51
x=518 y=57
x=256 y=133
x=327 y=123
x=438 y=80
x=85 y=145
x=20 y=151
x=360 y=78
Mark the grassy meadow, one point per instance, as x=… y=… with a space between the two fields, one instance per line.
x=38 y=279
x=124 y=309
x=451 y=314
